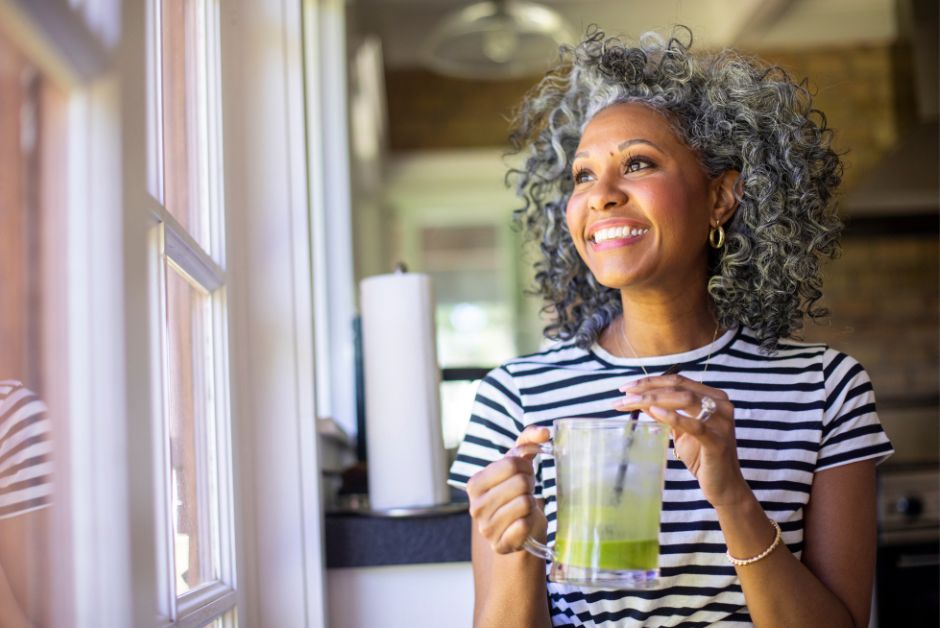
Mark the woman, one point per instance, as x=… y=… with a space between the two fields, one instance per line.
x=682 y=204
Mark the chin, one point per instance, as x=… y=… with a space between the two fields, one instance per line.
x=617 y=281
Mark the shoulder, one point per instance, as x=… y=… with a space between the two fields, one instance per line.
x=836 y=365
x=790 y=356
x=564 y=354
x=747 y=340
x=17 y=401
x=26 y=440
x=514 y=377
x=9 y=387
x=831 y=363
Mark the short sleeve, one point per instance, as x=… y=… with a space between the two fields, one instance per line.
x=25 y=451
x=495 y=424
x=851 y=429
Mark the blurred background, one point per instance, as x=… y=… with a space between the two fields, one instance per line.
x=432 y=91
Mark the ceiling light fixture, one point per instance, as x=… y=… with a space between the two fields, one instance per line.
x=500 y=39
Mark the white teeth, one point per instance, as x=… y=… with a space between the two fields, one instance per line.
x=613 y=233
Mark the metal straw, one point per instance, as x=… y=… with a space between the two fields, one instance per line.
x=631 y=428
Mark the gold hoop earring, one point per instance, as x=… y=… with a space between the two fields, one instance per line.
x=717 y=229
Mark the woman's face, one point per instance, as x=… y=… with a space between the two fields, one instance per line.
x=639 y=213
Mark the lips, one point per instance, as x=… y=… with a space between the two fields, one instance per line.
x=608 y=234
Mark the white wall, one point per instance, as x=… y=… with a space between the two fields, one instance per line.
x=412 y=596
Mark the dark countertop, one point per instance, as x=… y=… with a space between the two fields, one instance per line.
x=361 y=540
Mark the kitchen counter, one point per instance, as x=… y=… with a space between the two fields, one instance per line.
x=364 y=540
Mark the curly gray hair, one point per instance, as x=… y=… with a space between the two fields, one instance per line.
x=735 y=113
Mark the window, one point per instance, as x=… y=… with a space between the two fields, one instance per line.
x=196 y=541
x=33 y=384
x=452 y=221
x=474 y=318
x=117 y=296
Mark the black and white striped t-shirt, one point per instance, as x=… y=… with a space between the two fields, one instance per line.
x=25 y=451
x=799 y=411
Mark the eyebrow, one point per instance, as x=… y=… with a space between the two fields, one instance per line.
x=622 y=146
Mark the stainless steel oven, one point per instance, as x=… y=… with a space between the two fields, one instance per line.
x=907 y=580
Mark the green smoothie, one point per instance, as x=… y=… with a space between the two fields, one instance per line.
x=621 y=538
x=618 y=555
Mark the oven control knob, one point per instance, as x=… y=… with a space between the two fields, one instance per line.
x=910 y=506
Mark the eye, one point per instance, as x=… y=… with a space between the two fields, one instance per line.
x=581 y=175
x=635 y=163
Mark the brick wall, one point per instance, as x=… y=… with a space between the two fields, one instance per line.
x=884 y=298
x=866 y=93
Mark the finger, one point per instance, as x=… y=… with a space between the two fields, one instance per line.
x=671 y=399
x=496 y=473
x=534 y=434
x=683 y=424
x=484 y=505
x=528 y=444
x=673 y=381
x=628 y=385
x=514 y=536
x=526 y=451
x=495 y=527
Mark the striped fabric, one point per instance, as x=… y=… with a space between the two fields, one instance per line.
x=25 y=451
x=799 y=411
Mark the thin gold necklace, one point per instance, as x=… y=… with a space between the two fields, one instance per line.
x=711 y=347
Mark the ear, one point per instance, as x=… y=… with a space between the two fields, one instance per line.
x=724 y=201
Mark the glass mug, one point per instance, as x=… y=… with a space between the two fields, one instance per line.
x=609 y=476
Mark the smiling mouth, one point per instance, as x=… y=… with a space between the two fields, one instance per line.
x=617 y=233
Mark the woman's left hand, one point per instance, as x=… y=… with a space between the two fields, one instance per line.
x=707 y=446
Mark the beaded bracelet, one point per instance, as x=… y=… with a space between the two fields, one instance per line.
x=740 y=562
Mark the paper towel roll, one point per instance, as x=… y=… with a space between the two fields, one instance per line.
x=403 y=420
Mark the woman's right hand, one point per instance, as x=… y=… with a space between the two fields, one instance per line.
x=501 y=501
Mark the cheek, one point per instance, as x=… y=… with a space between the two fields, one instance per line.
x=678 y=209
x=571 y=215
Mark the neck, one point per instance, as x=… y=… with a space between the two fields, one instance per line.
x=658 y=324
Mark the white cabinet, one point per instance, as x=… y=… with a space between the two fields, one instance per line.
x=408 y=596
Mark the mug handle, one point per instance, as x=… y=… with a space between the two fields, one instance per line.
x=530 y=545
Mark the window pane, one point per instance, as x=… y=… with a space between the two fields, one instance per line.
x=192 y=473
x=474 y=318
x=184 y=120
x=226 y=621
x=456 y=409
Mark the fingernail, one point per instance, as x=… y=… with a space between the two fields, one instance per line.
x=627 y=386
x=631 y=398
x=658 y=412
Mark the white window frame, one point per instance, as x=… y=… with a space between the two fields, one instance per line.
x=325 y=56
x=172 y=244
x=110 y=460
x=274 y=390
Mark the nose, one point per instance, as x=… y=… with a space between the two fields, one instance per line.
x=606 y=196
